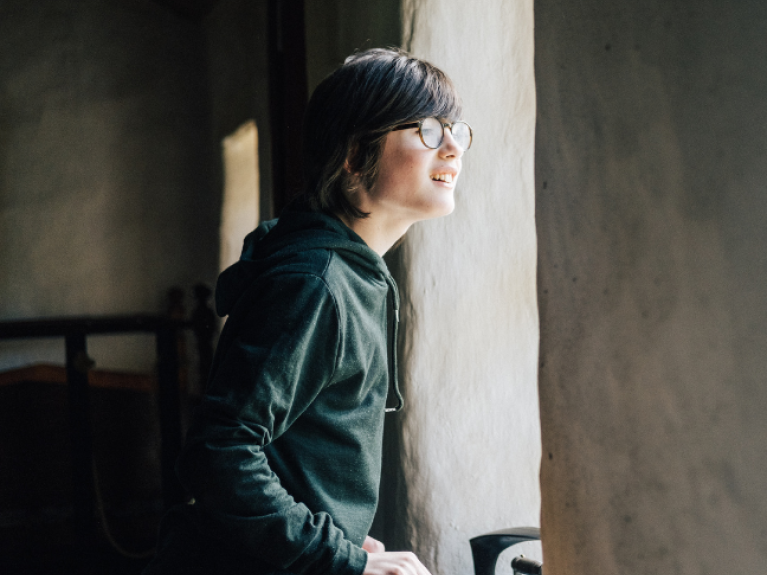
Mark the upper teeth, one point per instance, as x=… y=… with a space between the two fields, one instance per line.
x=443 y=178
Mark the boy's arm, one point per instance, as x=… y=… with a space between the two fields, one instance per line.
x=273 y=367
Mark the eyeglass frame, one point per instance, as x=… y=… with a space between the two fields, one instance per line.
x=444 y=125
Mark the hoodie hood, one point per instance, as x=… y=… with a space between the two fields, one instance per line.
x=296 y=231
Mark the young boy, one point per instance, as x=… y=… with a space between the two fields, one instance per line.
x=284 y=456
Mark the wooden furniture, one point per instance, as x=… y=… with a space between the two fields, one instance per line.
x=75 y=331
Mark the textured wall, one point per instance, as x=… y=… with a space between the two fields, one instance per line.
x=469 y=435
x=650 y=182
x=104 y=166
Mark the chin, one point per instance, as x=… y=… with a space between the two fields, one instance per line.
x=444 y=208
x=433 y=209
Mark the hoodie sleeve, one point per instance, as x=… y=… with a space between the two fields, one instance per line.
x=273 y=362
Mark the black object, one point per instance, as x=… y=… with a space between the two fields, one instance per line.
x=485 y=549
x=82 y=439
x=204 y=325
x=526 y=566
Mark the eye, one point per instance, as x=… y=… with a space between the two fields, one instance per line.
x=431 y=132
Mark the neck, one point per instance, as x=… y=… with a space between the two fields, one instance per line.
x=379 y=235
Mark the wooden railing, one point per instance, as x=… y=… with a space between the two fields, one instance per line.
x=75 y=331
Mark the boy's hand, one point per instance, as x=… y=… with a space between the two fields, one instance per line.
x=394 y=563
x=373 y=545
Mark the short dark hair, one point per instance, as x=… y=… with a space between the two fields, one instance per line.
x=351 y=112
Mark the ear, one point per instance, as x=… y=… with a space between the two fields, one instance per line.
x=351 y=159
x=352 y=178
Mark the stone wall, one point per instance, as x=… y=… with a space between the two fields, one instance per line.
x=650 y=199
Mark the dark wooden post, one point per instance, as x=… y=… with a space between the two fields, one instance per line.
x=204 y=326
x=170 y=413
x=288 y=94
x=77 y=368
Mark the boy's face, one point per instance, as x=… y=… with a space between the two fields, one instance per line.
x=411 y=182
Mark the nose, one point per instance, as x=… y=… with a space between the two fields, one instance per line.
x=449 y=147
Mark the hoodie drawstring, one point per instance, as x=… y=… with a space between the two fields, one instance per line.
x=393 y=344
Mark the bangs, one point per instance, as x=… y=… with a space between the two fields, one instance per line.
x=436 y=98
x=406 y=89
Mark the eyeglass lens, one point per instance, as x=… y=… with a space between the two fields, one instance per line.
x=432 y=133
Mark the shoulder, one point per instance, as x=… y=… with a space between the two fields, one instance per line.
x=286 y=300
x=313 y=262
x=322 y=266
x=293 y=286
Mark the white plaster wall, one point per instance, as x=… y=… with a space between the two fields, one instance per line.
x=650 y=176
x=469 y=435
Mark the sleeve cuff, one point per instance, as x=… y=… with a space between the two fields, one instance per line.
x=350 y=560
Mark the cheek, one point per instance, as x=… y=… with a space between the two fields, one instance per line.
x=399 y=170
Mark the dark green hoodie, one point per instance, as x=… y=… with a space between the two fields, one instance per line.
x=283 y=458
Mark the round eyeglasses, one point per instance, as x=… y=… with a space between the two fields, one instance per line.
x=432 y=132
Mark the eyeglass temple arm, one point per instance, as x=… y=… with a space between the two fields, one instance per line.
x=406 y=126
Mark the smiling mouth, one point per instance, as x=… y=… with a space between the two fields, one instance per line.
x=447 y=178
